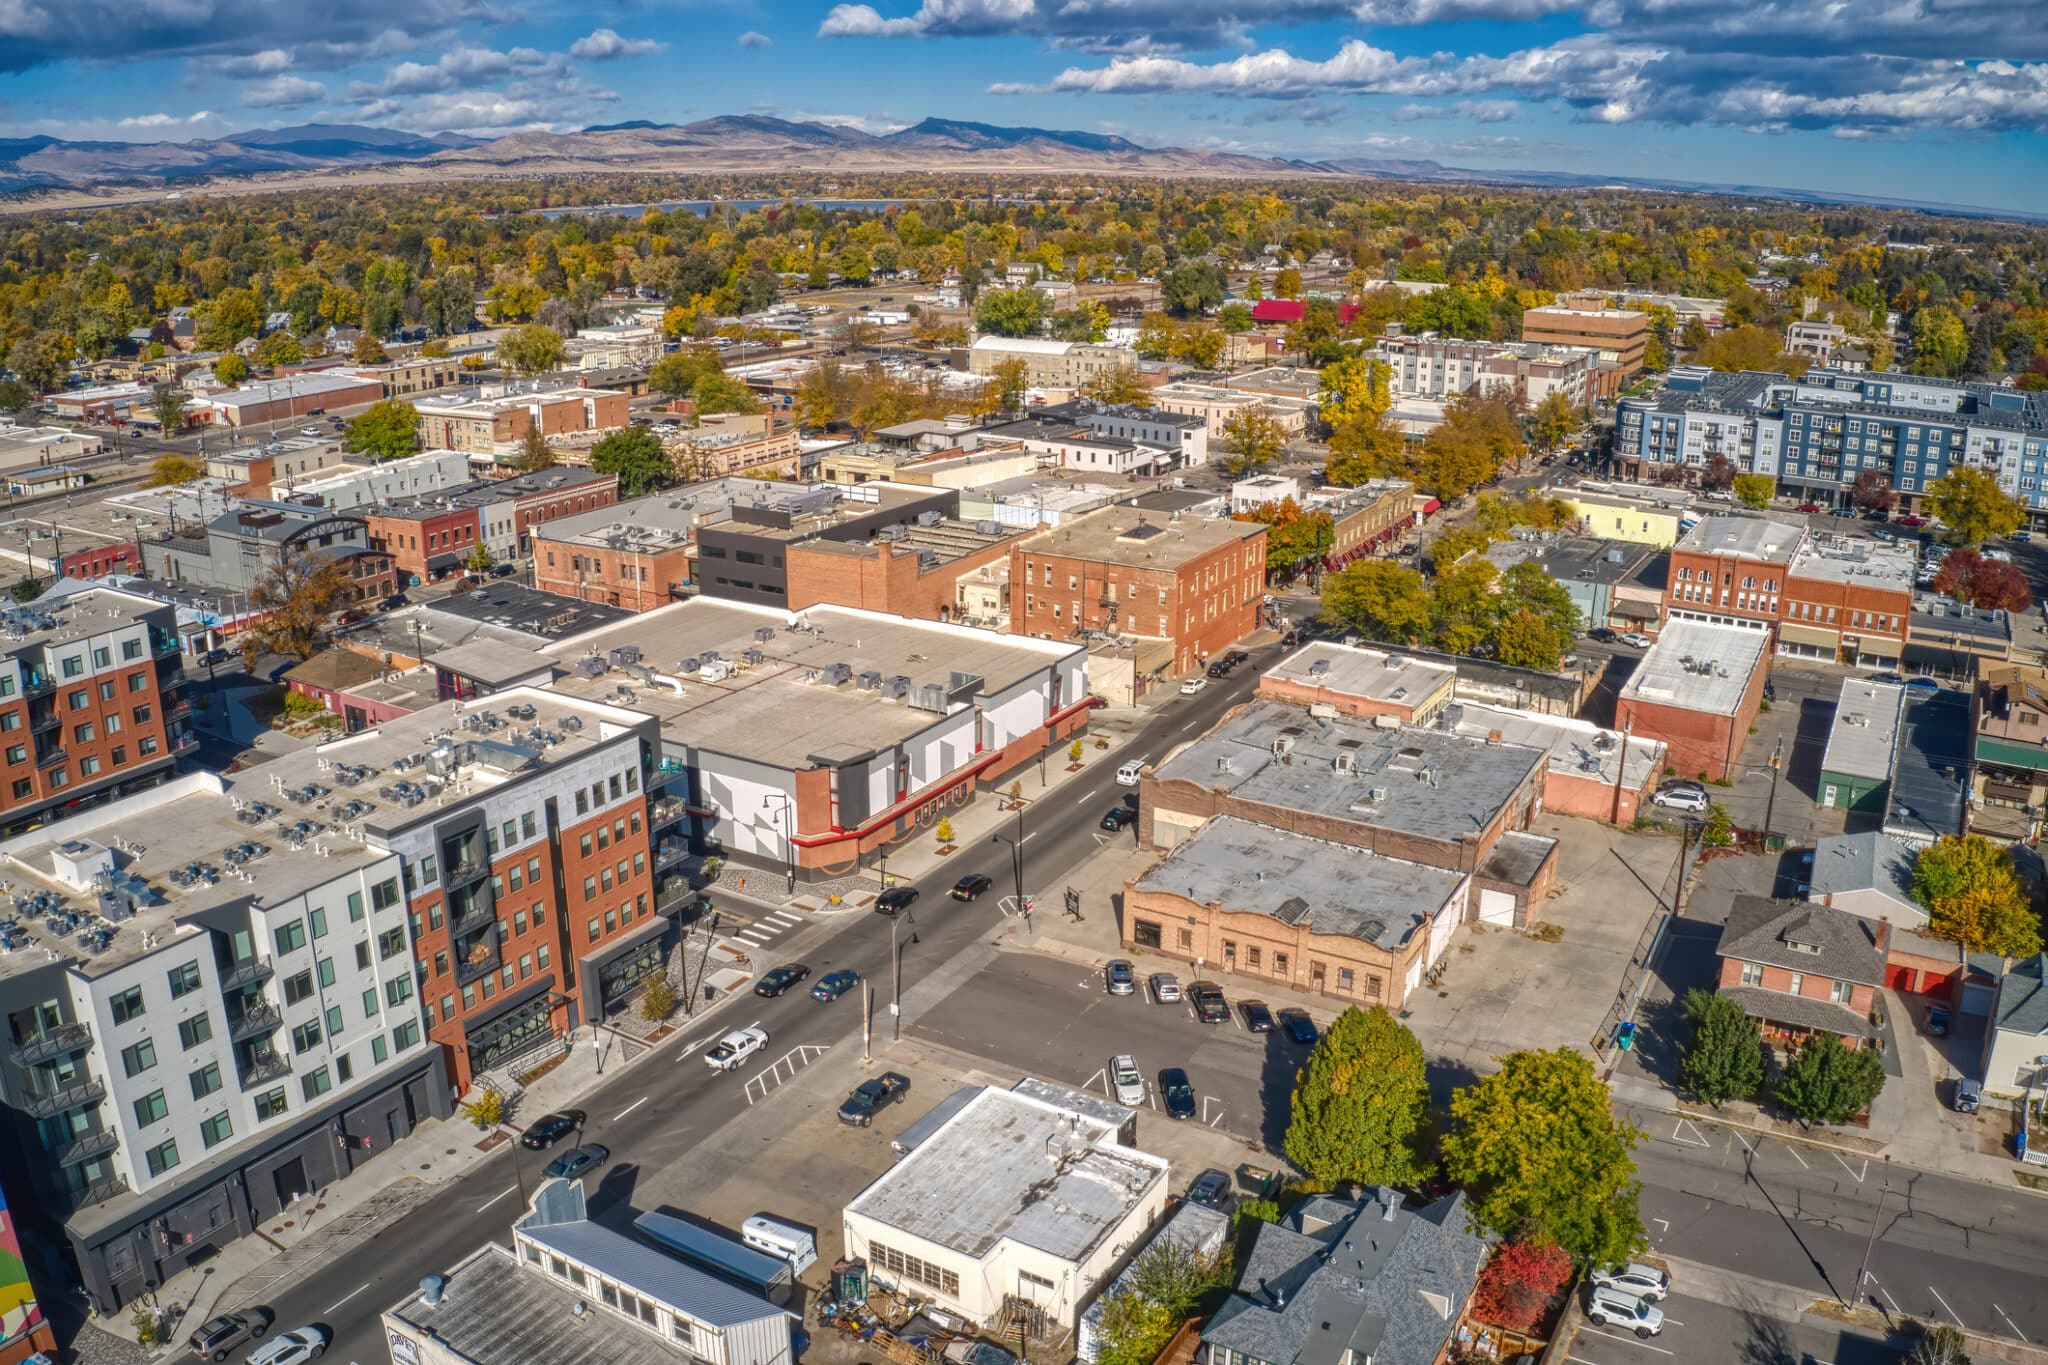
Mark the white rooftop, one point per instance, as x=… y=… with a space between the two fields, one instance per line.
x=1773 y=542
x=1373 y=674
x=1578 y=748
x=1698 y=666
x=1023 y=345
x=1865 y=729
x=1857 y=559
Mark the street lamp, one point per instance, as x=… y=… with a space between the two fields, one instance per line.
x=787 y=822
x=1016 y=844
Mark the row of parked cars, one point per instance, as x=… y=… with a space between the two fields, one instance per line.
x=1627 y=1296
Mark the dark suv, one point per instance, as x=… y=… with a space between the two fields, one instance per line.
x=1210 y=1006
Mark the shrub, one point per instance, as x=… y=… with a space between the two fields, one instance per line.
x=1074 y=751
x=486 y=1111
x=657 y=1000
x=1518 y=1283
x=944 y=830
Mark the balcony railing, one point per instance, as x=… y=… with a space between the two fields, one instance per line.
x=463 y=873
x=257 y=1019
x=37 y=684
x=161 y=643
x=475 y=968
x=263 y=1070
x=86 y=1148
x=670 y=853
x=60 y=1041
x=51 y=757
x=99 y=1192
x=74 y=1096
x=244 y=973
x=184 y=744
x=666 y=811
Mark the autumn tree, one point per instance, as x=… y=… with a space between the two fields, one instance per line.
x=677 y=373
x=367 y=350
x=1973 y=896
x=1940 y=1344
x=1463 y=606
x=823 y=396
x=1118 y=385
x=167 y=471
x=1297 y=539
x=1972 y=507
x=1518 y=1284
x=387 y=430
x=229 y=317
x=1720 y=473
x=1361 y=1103
x=636 y=456
x=1379 y=599
x=1941 y=344
x=292 y=600
x=1829 y=1082
x=279 y=348
x=1553 y=420
x=1287 y=284
x=1723 y=1056
x=1366 y=450
x=1969 y=577
x=1478 y=435
x=1748 y=348
x=534 y=452
x=531 y=350
x=1755 y=490
x=231 y=369
x=1543 y=1158
x=1872 y=491
x=1253 y=439
x=168 y=406
x=717 y=392
x=1354 y=390
x=1008 y=381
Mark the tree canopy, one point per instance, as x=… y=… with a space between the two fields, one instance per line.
x=531 y=350
x=635 y=454
x=1973 y=896
x=293 y=598
x=1361 y=1103
x=1252 y=438
x=1828 y=1082
x=1970 y=578
x=1723 y=1056
x=1010 y=312
x=387 y=430
x=1972 y=507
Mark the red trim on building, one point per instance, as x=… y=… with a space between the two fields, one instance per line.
x=872 y=823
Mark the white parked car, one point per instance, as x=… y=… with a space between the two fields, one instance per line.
x=1127 y=775
x=735 y=1047
x=1612 y=1307
x=295 y=1347
x=1643 y=1281
x=1193 y=685
x=1635 y=639
x=1126 y=1080
x=1681 y=798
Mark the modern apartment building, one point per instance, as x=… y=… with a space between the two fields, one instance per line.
x=1440 y=368
x=1815 y=436
x=92 y=703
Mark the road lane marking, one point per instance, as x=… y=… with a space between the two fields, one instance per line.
x=1662 y=1223
x=1627 y=1341
x=509 y=1189
x=629 y=1109
x=1103 y=1076
x=345 y=1298
x=1745 y=1144
x=2009 y=1322
x=1189 y=726
x=1854 y=1174
x=1796 y=1157
x=784 y=917
x=1944 y=1303
x=1678 y=1135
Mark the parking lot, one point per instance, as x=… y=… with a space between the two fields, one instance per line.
x=1697 y=1332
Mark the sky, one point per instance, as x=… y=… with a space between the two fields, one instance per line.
x=1936 y=100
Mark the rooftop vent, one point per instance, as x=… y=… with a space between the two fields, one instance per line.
x=837 y=674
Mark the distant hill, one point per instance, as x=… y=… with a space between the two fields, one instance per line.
x=45 y=162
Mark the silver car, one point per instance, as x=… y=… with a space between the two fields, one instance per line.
x=1125 y=1080
x=1643 y=1281
x=1165 y=988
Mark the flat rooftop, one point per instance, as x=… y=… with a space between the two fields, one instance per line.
x=1375 y=674
x=1858 y=561
x=783 y=710
x=493 y=1312
x=1865 y=729
x=1698 y=666
x=1931 y=776
x=73 y=617
x=1577 y=748
x=1422 y=782
x=1572 y=559
x=1758 y=538
x=1296 y=880
x=1013 y=1167
x=1125 y=535
x=511 y=605
x=307 y=384
x=1628 y=495
x=945 y=540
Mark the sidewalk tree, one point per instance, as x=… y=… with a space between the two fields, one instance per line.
x=293 y=599
x=486 y=1111
x=1720 y=474
x=1379 y=599
x=534 y=452
x=1872 y=491
x=479 y=558
x=1296 y=538
x=1940 y=1344
x=1254 y=439
x=1543 y=1158
x=1518 y=1283
x=167 y=471
x=1553 y=419
x=1755 y=490
x=1973 y=897
x=657 y=1000
x=386 y=430
x=531 y=350
x=1972 y=507
x=636 y=456
x=1361 y=1103
x=1371 y=449
x=1827 y=1082
x=1355 y=389
x=168 y=405
x=1723 y=1057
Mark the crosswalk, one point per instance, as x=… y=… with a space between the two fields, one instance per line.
x=769 y=926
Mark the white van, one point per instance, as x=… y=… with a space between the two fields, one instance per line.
x=778 y=1238
x=1127 y=775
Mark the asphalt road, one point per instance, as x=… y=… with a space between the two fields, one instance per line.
x=657 y=1112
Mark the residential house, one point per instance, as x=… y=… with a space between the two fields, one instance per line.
x=2018 y=1039
x=1798 y=968
x=2009 y=741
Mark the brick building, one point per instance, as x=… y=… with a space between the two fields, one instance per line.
x=496 y=424
x=913 y=570
x=413 y=375
x=1699 y=690
x=1732 y=570
x=638 y=555
x=1798 y=968
x=511 y=508
x=122 y=556
x=2009 y=729
x=735 y=443
x=1362 y=519
x=427 y=540
x=1361 y=682
x=292 y=397
x=1848 y=600
x=1113 y=572
x=1622 y=337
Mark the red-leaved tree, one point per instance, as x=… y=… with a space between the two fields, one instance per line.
x=1969 y=577
x=1518 y=1284
x=1873 y=492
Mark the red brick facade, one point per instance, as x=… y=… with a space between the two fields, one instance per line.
x=881 y=577
x=1204 y=604
x=420 y=542
x=1808 y=986
x=636 y=579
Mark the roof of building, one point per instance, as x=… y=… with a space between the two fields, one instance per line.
x=1285 y=381
x=511 y=605
x=1014 y=1167
x=1303 y=882
x=1577 y=748
x=1857 y=561
x=1024 y=345
x=1572 y=559
x=493 y=1312
x=1517 y=857
x=1347 y=1280
x=2006 y=685
x=1670 y=500
x=1931 y=772
x=1803 y=937
x=70 y=617
x=1698 y=666
x=1758 y=537
x=1423 y=782
x=785 y=710
x=1865 y=729
x=2023 y=997
x=536 y=483
x=1800 y=1011
x=335 y=670
x=305 y=385
x=1081 y=410
x=940 y=542
x=1868 y=861
x=1837 y=393
x=1196 y=1230
x=1127 y=536
x=1169 y=501
x=1936 y=615
x=1373 y=674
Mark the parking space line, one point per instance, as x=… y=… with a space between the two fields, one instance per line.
x=1696 y=1140
x=1944 y=1304
x=2009 y=1322
x=1628 y=1341
x=1793 y=1148
x=1854 y=1174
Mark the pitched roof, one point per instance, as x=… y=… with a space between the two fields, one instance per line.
x=1803 y=937
x=1367 y=1276
x=1869 y=861
x=2023 y=996
x=1800 y=1011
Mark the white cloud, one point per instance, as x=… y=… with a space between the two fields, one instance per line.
x=1478 y=111
x=269 y=62
x=604 y=45
x=283 y=92
x=752 y=39
x=150 y=121
x=458 y=68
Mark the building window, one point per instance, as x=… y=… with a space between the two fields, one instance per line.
x=1841 y=992
x=127 y=1005
x=291 y=937
x=184 y=979
x=298 y=987
x=306 y=1037
x=205 y=1080
x=216 y=1130
x=1752 y=974
x=150 y=1108
x=162 y=1157
x=194 y=1031
x=316 y=1083
x=916 y=1270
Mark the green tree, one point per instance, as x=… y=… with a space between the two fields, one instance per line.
x=1191 y=287
x=1463 y=607
x=1253 y=438
x=715 y=393
x=172 y=469
x=1009 y=312
x=1535 y=590
x=677 y=373
x=1826 y=1082
x=1524 y=639
x=231 y=369
x=1355 y=390
x=531 y=350
x=15 y=396
x=1361 y=1103
x=1008 y=379
x=42 y=360
x=1719 y=831
x=1119 y=385
x=231 y=316
x=1378 y=598
x=388 y=430
x=479 y=558
x=168 y=403
x=1973 y=896
x=1723 y=1058
x=1234 y=317
x=1972 y=507
x=279 y=348
x=1553 y=420
x=1134 y=1330
x=1940 y=342
x=636 y=456
x=1361 y=451
x=1543 y=1158
x=1748 y=348
x=534 y=452
x=1755 y=490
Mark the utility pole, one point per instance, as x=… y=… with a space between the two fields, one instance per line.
x=1876 y=1219
x=1621 y=773
x=896 y=975
x=1016 y=844
x=1777 y=766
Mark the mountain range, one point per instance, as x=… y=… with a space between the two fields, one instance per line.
x=47 y=172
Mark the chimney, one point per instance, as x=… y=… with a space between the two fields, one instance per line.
x=1493 y=737
x=1884 y=934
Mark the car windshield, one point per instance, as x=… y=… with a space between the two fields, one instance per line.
x=866 y=1096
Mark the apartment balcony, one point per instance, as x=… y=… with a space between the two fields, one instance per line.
x=666 y=811
x=99 y=1192
x=480 y=912
x=255 y=1021
x=671 y=852
x=60 y=1041
x=460 y=874
x=37 y=684
x=247 y=972
x=54 y=720
x=476 y=967
x=86 y=1148
x=77 y=1095
x=263 y=1070
x=184 y=744
x=162 y=643
x=51 y=757
x=178 y=710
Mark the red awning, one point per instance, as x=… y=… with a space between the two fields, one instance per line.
x=1430 y=507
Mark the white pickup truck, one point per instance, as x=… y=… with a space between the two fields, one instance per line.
x=734 y=1048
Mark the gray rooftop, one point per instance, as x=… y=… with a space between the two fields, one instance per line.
x=1755 y=391
x=2023 y=996
x=511 y=605
x=1931 y=773
x=1012 y=1167
x=1424 y=782
x=1869 y=861
x=1865 y=729
x=495 y=1313
x=1698 y=666
x=1756 y=537
x=1124 y=535
x=73 y=616
x=1578 y=748
x=1376 y=674
x=659 y=522
x=1857 y=561
x=1800 y=1011
x=1572 y=559
x=1803 y=937
x=1329 y=888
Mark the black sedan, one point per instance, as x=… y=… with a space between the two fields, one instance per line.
x=549 y=1129
x=884 y=1090
x=1257 y=1017
x=895 y=900
x=1602 y=634
x=1118 y=818
x=1238 y=656
x=1298 y=1026
x=781 y=979
x=1178 y=1093
x=970 y=886
x=576 y=1161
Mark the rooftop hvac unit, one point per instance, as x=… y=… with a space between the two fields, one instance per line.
x=688 y=664
x=572 y=723
x=708 y=657
x=896 y=688
x=1344 y=761
x=590 y=666
x=869 y=681
x=929 y=697
x=1322 y=710
x=1283 y=745
x=1377 y=795
x=929 y=518
x=763 y=634
x=750 y=657
x=1319 y=669
x=988 y=528
x=838 y=675
x=626 y=654
x=716 y=670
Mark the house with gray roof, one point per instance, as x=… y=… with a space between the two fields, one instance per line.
x=1345 y=1281
x=1868 y=874
x=2019 y=1029
x=1799 y=968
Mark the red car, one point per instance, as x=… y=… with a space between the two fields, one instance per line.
x=1810 y=507
x=1912 y=521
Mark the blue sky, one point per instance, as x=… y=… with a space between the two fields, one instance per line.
x=1941 y=100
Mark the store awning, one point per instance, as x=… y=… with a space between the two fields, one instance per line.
x=1818 y=636
x=1430 y=507
x=441 y=563
x=1637 y=611
x=1879 y=646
